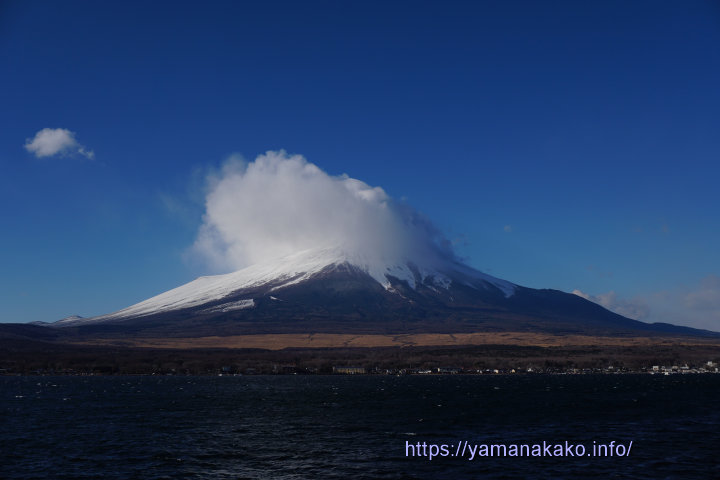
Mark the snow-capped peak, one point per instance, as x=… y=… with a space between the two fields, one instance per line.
x=292 y=269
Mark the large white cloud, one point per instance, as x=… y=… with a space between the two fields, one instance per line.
x=56 y=141
x=280 y=204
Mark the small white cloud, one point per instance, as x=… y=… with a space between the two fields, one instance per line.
x=86 y=153
x=636 y=309
x=706 y=296
x=580 y=293
x=695 y=305
x=56 y=141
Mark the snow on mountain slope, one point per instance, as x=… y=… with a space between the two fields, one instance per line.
x=296 y=268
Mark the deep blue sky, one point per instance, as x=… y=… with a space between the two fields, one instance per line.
x=569 y=145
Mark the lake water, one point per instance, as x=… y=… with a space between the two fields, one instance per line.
x=345 y=427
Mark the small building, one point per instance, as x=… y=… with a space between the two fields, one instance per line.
x=349 y=370
x=449 y=370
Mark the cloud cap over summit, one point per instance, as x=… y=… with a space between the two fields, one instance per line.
x=280 y=204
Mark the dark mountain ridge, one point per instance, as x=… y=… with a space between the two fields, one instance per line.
x=344 y=298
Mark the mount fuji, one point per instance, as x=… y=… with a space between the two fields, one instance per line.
x=334 y=290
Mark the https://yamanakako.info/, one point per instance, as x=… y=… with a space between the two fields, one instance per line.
x=471 y=451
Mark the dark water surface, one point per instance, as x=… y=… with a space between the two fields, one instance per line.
x=341 y=427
